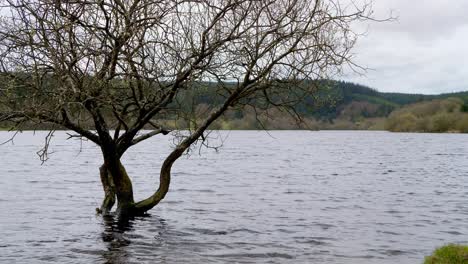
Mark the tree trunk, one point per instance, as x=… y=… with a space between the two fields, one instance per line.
x=147 y=204
x=122 y=187
x=164 y=182
x=109 y=190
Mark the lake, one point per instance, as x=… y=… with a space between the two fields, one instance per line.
x=276 y=197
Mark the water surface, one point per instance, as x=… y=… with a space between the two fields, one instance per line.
x=277 y=197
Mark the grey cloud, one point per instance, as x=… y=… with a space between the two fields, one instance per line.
x=422 y=19
x=425 y=51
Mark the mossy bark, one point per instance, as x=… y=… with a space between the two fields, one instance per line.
x=109 y=190
x=164 y=182
x=117 y=186
x=123 y=187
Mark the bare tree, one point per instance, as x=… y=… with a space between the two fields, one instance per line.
x=108 y=69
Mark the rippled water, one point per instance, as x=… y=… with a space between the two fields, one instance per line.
x=282 y=197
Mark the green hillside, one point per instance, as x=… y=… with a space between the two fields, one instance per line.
x=345 y=93
x=335 y=105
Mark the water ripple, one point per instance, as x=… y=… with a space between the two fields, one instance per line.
x=297 y=197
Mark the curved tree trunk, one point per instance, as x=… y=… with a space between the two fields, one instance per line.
x=165 y=173
x=164 y=182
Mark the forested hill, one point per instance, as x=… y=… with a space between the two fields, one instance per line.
x=334 y=99
x=341 y=105
x=339 y=98
x=335 y=105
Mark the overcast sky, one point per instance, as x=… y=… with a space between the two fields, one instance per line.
x=424 y=51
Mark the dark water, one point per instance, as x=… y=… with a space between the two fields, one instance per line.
x=287 y=197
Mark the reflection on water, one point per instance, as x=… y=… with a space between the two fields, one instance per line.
x=113 y=237
x=292 y=197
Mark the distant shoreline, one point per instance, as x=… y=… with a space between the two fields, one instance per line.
x=311 y=130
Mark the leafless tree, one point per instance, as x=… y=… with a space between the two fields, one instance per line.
x=108 y=69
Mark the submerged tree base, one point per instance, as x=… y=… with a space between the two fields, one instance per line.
x=449 y=254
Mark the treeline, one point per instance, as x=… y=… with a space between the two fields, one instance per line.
x=335 y=105
x=434 y=116
x=441 y=115
x=330 y=100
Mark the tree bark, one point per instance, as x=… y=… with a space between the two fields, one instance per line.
x=164 y=183
x=116 y=183
x=123 y=187
x=109 y=190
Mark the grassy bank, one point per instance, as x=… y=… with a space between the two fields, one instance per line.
x=449 y=254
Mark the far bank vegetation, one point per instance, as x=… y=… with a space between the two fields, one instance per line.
x=444 y=115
